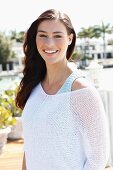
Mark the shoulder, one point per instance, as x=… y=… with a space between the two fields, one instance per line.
x=85 y=92
x=80 y=83
x=86 y=100
x=84 y=89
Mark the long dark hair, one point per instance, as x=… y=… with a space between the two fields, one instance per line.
x=35 y=67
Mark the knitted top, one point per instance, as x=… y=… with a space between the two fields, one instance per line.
x=65 y=131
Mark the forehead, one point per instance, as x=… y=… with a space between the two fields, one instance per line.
x=52 y=26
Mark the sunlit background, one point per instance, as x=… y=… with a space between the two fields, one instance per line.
x=20 y=14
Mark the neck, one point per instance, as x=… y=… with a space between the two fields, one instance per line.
x=57 y=73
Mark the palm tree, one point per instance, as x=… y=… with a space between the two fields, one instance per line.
x=103 y=30
x=17 y=36
x=86 y=34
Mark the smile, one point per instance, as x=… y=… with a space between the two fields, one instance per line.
x=50 y=51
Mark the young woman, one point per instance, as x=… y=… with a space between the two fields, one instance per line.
x=64 y=122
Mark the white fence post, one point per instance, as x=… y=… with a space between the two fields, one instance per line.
x=1 y=68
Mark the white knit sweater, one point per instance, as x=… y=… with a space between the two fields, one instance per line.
x=66 y=131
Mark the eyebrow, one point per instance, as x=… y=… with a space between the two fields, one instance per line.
x=56 y=32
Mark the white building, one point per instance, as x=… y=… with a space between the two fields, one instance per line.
x=94 y=50
x=17 y=47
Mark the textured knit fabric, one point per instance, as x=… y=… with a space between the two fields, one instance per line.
x=65 y=131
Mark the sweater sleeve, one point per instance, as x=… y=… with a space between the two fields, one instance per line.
x=94 y=128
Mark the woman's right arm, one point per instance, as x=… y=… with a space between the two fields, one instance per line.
x=24 y=163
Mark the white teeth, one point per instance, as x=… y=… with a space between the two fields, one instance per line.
x=50 y=51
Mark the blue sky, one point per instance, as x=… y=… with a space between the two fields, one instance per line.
x=83 y=13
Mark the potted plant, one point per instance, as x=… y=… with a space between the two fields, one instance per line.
x=6 y=121
x=16 y=129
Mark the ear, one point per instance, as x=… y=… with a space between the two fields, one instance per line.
x=70 y=39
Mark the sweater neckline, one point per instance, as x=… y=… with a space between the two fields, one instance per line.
x=58 y=92
x=69 y=92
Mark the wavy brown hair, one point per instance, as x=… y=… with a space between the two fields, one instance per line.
x=35 y=67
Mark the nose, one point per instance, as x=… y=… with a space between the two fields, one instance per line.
x=49 y=42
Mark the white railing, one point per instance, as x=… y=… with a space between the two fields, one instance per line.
x=107 y=98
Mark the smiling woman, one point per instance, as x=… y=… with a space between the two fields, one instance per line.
x=64 y=122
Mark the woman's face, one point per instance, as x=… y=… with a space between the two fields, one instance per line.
x=52 y=41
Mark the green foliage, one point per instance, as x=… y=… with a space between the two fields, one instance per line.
x=95 y=31
x=8 y=109
x=5 y=48
x=17 y=36
x=76 y=56
x=104 y=29
x=9 y=102
x=86 y=57
x=6 y=118
x=88 y=33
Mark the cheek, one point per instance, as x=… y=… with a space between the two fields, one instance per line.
x=62 y=43
x=39 y=43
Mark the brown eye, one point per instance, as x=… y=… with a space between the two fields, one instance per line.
x=58 y=36
x=42 y=35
